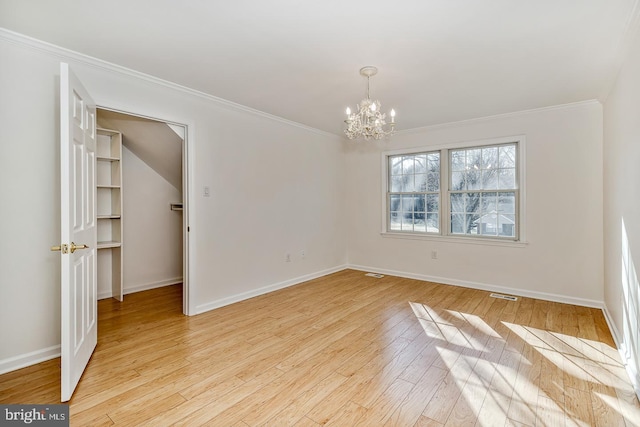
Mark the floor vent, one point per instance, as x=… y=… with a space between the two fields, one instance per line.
x=376 y=275
x=507 y=297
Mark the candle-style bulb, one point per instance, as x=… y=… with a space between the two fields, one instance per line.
x=348 y=111
x=393 y=115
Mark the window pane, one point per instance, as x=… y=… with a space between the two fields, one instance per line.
x=488 y=224
x=394 y=202
x=419 y=223
x=458 y=160
x=407 y=203
x=433 y=202
x=489 y=202
x=420 y=182
x=419 y=203
x=507 y=156
x=457 y=181
x=473 y=180
x=471 y=223
x=420 y=164
x=395 y=165
x=407 y=165
x=507 y=203
x=457 y=202
x=396 y=183
x=434 y=162
x=433 y=224
x=472 y=202
x=407 y=222
x=490 y=179
x=433 y=182
x=457 y=223
x=407 y=183
x=507 y=178
x=489 y=158
x=506 y=225
x=395 y=222
x=474 y=158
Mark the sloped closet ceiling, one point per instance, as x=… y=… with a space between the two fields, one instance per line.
x=155 y=143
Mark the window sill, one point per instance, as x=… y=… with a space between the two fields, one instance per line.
x=450 y=239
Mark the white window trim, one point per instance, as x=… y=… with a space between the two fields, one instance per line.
x=444 y=235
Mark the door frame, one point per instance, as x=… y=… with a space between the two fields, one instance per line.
x=188 y=300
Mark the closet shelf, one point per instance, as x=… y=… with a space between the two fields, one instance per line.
x=109 y=244
x=108 y=181
x=107 y=159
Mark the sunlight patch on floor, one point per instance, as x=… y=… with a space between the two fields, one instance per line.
x=522 y=374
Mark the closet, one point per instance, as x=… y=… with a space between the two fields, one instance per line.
x=138 y=178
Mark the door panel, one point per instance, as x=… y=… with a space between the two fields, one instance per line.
x=78 y=226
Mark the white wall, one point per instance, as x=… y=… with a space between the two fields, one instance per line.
x=30 y=207
x=562 y=259
x=622 y=208
x=152 y=232
x=276 y=187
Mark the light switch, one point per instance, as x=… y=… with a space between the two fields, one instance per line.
x=206 y=192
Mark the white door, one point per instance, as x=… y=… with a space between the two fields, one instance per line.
x=78 y=224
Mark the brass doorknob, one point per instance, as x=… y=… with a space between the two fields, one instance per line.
x=73 y=247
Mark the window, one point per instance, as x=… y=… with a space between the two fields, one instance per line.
x=482 y=191
x=414 y=192
x=470 y=191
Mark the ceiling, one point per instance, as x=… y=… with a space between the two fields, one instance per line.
x=439 y=60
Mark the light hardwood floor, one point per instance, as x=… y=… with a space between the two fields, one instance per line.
x=344 y=350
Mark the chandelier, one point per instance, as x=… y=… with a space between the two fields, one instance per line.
x=368 y=122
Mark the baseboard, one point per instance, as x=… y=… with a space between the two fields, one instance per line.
x=618 y=339
x=143 y=287
x=154 y=285
x=484 y=286
x=265 y=289
x=28 y=359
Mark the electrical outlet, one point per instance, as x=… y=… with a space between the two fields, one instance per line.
x=303 y=254
x=287 y=257
x=206 y=191
x=434 y=254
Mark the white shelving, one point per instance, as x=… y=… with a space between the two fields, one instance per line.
x=109 y=210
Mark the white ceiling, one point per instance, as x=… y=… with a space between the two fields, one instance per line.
x=439 y=60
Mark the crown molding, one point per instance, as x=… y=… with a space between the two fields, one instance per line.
x=67 y=54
